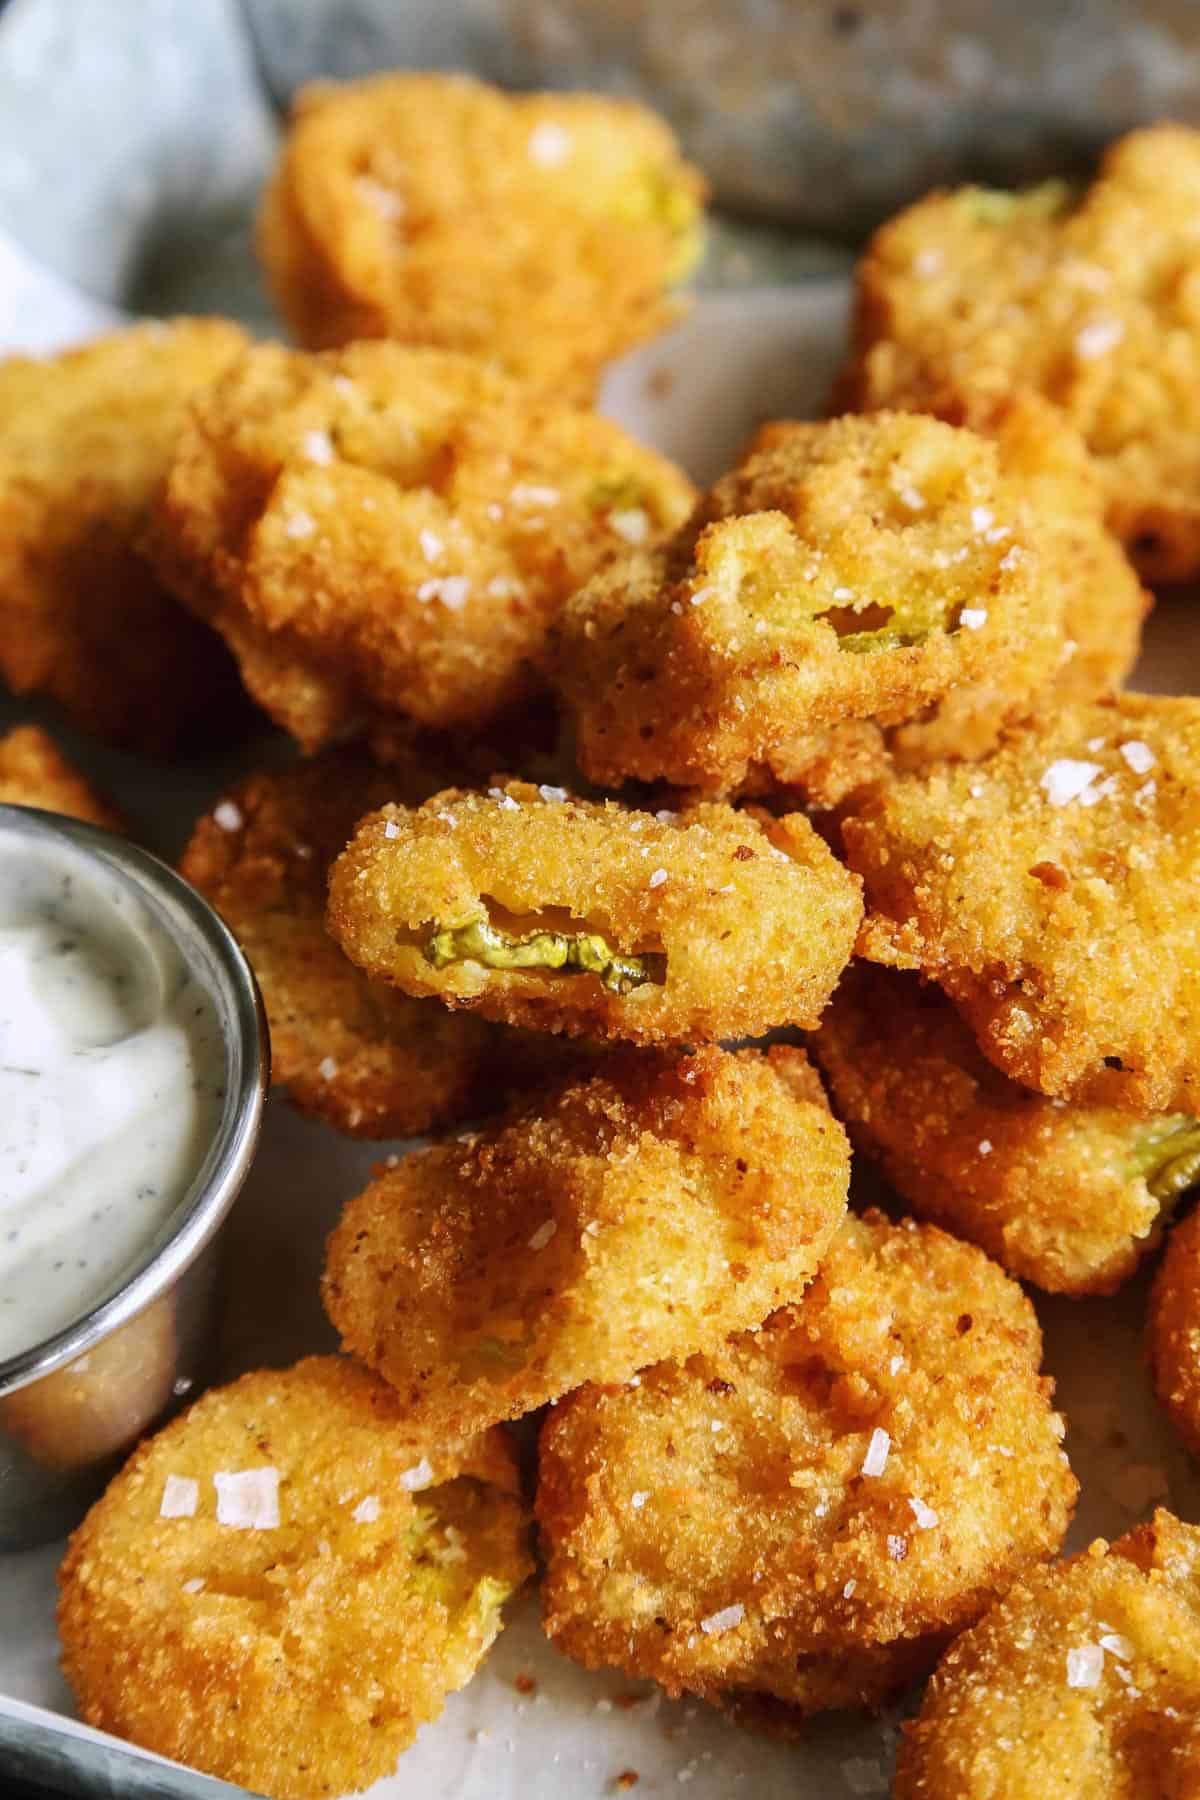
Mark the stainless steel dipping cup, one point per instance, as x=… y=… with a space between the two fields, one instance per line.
x=74 y=1404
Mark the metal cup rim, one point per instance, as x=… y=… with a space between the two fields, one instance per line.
x=203 y=1208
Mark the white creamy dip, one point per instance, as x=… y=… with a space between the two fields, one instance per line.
x=111 y=1086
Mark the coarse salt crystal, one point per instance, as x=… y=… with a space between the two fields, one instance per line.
x=552 y=793
x=543 y=1234
x=897 y=1547
x=1139 y=756
x=913 y=498
x=507 y=803
x=1085 y=1666
x=820 y=1509
x=924 y=1515
x=985 y=1146
x=318 y=447
x=632 y=524
x=1011 y=558
x=843 y=593
x=248 y=1499
x=848 y=1590
x=875 y=1461
x=431 y=544
x=1146 y=793
x=1093 y=795
x=895 y=1366
x=973 y=617
x=549 y=144
x=391 y=829
x=1066 y=779
x=1099 y=337
x=195 y=1585
x=727 y=1619
x=982 y=518
x=367 y=1511
x=299 y=525
x=180 y=1497
x=451 y=590
x=638 y=1500
x=701 y=595
x=228 y=816
x=527 y=493
x=657 y=879
x=1116 y=1645
x=418 y=1477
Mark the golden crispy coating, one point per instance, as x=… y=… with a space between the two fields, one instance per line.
x=1083 y=1683
x=1088 y=298
x=646 y=1211
x=284 y=1583
x=34 y=772
x=1173 y=1322
x=85 y=439
x=856 y=569
x=566 y=915
x=350 y=1050
x=540 y=231
x=1068 y=1196
x=1050 y=890
x=1103 y=602
x=385 y=530
x=807 y=1511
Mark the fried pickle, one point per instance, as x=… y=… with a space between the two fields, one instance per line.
x=1086 y=297
x=1050 y=890
x=537 y=909
x=85 y=439
x=1173 y=1322
x=352 y=1051
x=856 y=569
x=541 y=232
x=1083 y=1683
x=384 y=531
x=645 y=1211
x=284 y=1583
x=805 y=1513
x=1070 y=1197
x=34 y=772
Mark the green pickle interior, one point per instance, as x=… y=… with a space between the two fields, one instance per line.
x=1166 y=1155
x=558 y=952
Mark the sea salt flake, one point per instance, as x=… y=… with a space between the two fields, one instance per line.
x=391 y=829
x=1139 y=756
x=701 y=595
x=195 y=1585
x=248 y=1499
x=543 y=1234
x=1066 y=779
x=913 y=498
x=1085 y=1666
x=549 y=144
x=657 y=879
x=727 y=1619
x=327 y=1068
x=1098 y=337
x=973 y=617
x=318 y=447
x=985 y=1146
x=632 y=524
x=367 y=1511
x=897 y=1546
x=848 y=1590
x=895 y=1366
x=1092 y=796
x=451 y=590
x=1010 y=559
x=552 y=793
x=180 y=1497
x=228 y=816
x=982 y=518
x=431 y=544
x=507 y=803
x=299 y=525
x=418 y=1477
x=638 y=1500
x=924 y=1515
x=528 y=493
x=875 y=1461
x=1118 y=1646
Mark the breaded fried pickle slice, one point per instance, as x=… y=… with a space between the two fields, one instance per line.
x=540 y=232
x=537 y=909
x=1069 y=1196
x=1083 y=1683
x=384 y=531
x=282 y=1585
x=85 y=439
x=1051 y=891
x=856 y=569
x=34 y=772
x=1088 y=297
x=806 y=1513
x=1173 y=1322
x=643 y=1212
x=352 y=1051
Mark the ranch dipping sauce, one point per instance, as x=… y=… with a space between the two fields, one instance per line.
x=112 y=1078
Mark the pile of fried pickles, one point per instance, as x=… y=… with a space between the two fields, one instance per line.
x=644 y=851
